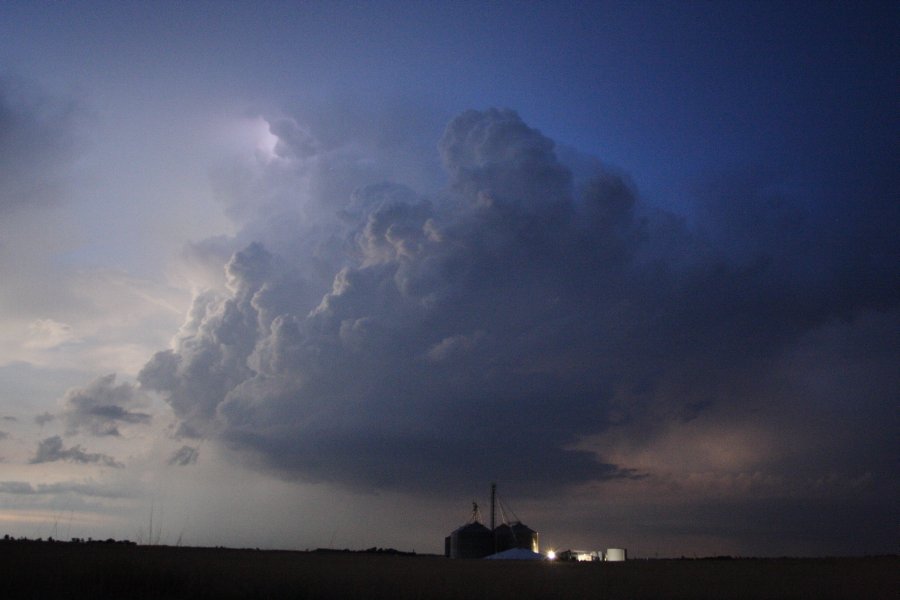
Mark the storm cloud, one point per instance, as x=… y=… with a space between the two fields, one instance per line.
x=526 y=322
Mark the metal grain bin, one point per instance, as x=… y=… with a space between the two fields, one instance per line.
x=471 y=541
x=516 y=535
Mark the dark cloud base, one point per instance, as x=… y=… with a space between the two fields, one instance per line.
x=52 y=449
x=101 y=407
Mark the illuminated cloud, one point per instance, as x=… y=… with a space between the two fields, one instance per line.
x=657 y=303
x=490 y=328
x=47 y=333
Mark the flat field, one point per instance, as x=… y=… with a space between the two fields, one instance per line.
x=99 y=570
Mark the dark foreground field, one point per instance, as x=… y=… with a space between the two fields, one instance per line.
x=58 y=570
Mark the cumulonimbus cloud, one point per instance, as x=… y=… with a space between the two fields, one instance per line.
x=418 y=341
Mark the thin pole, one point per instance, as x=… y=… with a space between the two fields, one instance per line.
x=493 y=508
x=493 y=503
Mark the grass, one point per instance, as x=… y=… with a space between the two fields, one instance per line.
x=99 y=570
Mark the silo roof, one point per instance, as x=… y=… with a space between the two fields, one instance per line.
x=474 y=527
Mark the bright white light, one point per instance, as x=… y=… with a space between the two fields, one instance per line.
x=266 y=140
x=251 y=134
x=551 y=555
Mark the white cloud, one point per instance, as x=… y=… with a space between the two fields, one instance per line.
x=46 y=334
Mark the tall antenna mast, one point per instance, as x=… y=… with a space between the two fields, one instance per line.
x=493 y=503
x=493 y=508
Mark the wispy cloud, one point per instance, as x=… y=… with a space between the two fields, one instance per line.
x=184 y=456
x=84 y=488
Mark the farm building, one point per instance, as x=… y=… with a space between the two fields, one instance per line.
x=579 y=555
x=472 y=540
x=475 y=540
x=615 y=554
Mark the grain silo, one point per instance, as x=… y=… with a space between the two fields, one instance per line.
x=472 y=540
x=515 y=535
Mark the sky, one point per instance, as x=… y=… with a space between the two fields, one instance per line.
x=314 y=274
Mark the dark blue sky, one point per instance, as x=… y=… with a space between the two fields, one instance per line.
x=334 y=250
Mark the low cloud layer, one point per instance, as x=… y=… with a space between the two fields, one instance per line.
x=83 y=488
x=184 y=456
x=44 y=418
x=52 y=449
x=101 y=407
x=528 y=324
